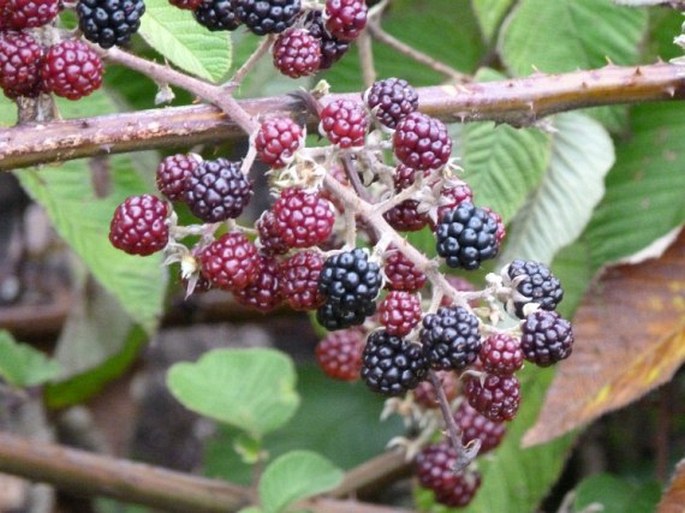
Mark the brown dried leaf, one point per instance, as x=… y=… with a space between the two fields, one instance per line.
x=630 y=338
x=673 y=500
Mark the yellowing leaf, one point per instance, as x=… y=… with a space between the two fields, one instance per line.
x=630 y=338
x=673 y=500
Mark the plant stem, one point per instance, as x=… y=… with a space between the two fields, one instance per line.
x=465 y=454
x=84 y=473
x=519 y=102
x=375 y=30
x=89 y=474
x=167 y=75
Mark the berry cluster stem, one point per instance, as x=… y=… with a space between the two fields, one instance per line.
x=167 y=75
x=465 y=454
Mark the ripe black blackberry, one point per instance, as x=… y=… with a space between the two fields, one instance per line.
x=390 y=100
x=496 y=397
x=332 y=48
x=173 y=172
x=296 y=53
x=217 y=15
x=267 y=16
x=217 y=190
x=533 y=283
x=466 y=236
x=21 y=58
x=333 y=316
x=475 y=426
x=435 y=471
x=450 y=338
x=109 y=22
x=392 y=365
x=350 y=279
x=546 y=338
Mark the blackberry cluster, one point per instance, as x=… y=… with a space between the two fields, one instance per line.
x=350 y=284
x=466 y=236
x=451 y=338
x=109 y=22
x=28 y=68
x=534 y=283
x=392 y=365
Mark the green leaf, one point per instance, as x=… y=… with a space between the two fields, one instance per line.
x=251 y=509
x=566 y=35
x=427 y=25
x=23 y=366
x=296 y=476
x=503 y=164
x=343 y=412
x=82 y=219
x=573 y=268
x=252 y=389
x=644 y=191
x=96 y=344
x=490 y=14
x=86 y=384
x=616 y=495
x=557 y=212
x=177 y=36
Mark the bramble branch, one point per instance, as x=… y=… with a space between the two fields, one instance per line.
x=519 y=102
x=88 y=474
